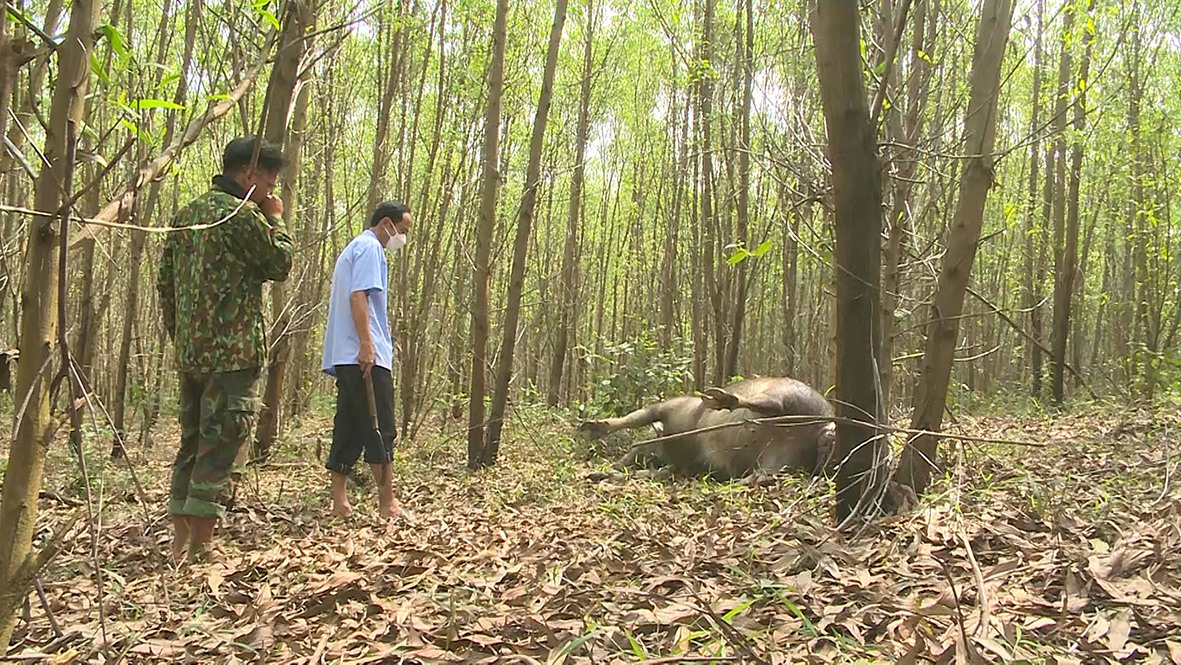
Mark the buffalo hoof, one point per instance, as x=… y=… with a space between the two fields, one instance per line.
x=756 y=480
x=594 y=429
x=719 y=400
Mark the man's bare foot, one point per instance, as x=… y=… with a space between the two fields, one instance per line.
x=341 y=510
x=389 y=509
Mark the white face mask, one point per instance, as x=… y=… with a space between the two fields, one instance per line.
x=396 y=242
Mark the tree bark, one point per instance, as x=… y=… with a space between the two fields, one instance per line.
x=899 y=222
x=139 y=238
x=930 y=399
x=283 y=90
x=388 y=86
x=1068 y=249
x=512 y=313
x=1033 y=352
x=742 y=276
x=1142 y=372
x=26 y=461
x=477 y=454
x=1057 y=194
x=852 y=150
x=567 y=297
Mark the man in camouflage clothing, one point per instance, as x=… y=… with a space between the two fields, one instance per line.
x=210 y=286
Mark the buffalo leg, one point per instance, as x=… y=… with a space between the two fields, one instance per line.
x=721 y=400
x=597 y=429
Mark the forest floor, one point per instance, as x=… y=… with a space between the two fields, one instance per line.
x=1069 y=552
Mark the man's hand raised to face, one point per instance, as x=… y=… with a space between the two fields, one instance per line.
x=271 y=206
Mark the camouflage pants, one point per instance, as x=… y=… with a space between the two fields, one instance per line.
x=217 y=414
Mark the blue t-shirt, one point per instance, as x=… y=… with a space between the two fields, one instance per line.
x=360 y=267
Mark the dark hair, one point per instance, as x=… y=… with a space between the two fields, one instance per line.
x=391 y=209
x=240 y=151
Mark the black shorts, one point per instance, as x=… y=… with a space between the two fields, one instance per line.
x=352 y=430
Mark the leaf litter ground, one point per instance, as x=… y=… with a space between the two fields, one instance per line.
x=1067 y=553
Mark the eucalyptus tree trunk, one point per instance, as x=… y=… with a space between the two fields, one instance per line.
x=388 y=84
x=477 y=454
x=1067 y=254
x=742 y=276
x=1142 y=373
x=139 y=238
x=567 y=296
x=512 y=312
x=1058 y=195
x=963 y=237
x=82 y=348
x=852 y=149
x=280 y=104
x=1032 y=229
x=39 y=329
x=899 y=222
x=669 y=325
x=7 y=74
x=791 y=279
x=714 y=283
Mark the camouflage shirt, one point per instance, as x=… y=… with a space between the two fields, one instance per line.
x=210 y=280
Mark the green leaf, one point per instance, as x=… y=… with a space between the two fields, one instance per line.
x=118 y=43
x=96 y=68
x=738 y=257
x=637 y=648
x=762 y=248
x=269 y=18
x=156 y=104
x=728 y=617
x=923 y=55
x=1010 y=213
x=134 y=129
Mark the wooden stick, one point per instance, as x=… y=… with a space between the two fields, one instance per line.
x=796 y=421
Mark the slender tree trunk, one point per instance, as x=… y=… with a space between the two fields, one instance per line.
x=899 y=222
x=477 y=454
x=930 y=399
x=82 y=349
x=26 y=461
x=857 y=193
x=669 y=325
x=1033 y=351
x=283 y=90
x=714 y=283
x=524 y=226
x=1141 y=373
x=742 y=277
x=389 y=86
x=7 y=74
x=1078 y=343
x=1068 y=249
x=791 y=268
x=139 y=238
x=567 y=298
x=1058 y=205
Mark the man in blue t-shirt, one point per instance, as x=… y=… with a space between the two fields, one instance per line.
x=358 y=347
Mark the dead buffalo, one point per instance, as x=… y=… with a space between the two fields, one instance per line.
x=741 y=450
